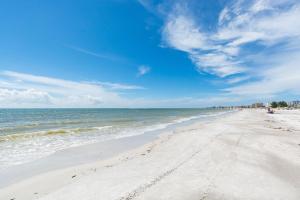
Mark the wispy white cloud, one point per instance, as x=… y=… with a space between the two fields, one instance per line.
x=192 y=102
x=10 y=97
x=242 y=23
x=264 y=21
x=267 y=68
x=27 y=90
x=182 y=32
x=20 y=90
x=224 y=15
x=119 y=86
x=106 y=56
x=143 y=69
x=283 y=76
x=148 y=6
x=217 y=63
x=268 y=23
x=238 y=79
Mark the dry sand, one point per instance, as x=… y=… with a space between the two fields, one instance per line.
x=245 y=155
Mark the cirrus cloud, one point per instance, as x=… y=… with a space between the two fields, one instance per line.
x=252 y=46
x=142 y=70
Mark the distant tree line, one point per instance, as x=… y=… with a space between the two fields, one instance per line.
x=281 y=104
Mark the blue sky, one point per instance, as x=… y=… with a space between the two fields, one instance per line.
x=126 y=53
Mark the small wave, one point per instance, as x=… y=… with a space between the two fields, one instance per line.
x=81 y=130
x=55 y=132
x=187 y=118
x=102 y=127
x=28 y=135
x=201 y=116
x=96 y=128
x=24 y=136
x=4 y=129
x=41 y=124
x=141 y=131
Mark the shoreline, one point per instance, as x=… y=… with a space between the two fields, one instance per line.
x=67 y=132
x=198 y=161
x=89 y=153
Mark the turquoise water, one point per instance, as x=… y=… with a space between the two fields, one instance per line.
x=30 y=134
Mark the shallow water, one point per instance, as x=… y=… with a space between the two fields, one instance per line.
x=29 y=134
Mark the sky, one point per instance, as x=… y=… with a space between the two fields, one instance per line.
x=148 y=53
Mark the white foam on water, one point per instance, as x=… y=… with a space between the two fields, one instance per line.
x=103 y=127
x=27 y=147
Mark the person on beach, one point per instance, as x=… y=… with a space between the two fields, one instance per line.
x=270 y=111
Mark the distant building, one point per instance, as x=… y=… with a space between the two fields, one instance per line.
x=257 y=105
x=294 y=104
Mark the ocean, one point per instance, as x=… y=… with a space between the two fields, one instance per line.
x=30 y=134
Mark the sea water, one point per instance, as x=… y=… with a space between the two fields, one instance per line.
x=29 y=134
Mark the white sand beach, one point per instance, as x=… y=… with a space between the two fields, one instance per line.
x=248 y=154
